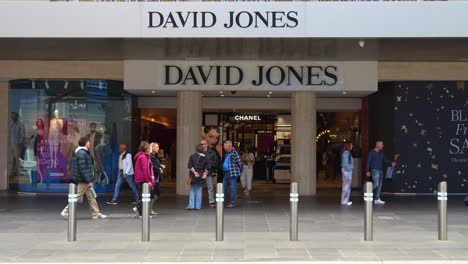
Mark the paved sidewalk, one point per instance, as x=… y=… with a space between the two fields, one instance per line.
x=32 y=230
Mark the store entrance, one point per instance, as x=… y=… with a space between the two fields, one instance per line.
x=267 y=135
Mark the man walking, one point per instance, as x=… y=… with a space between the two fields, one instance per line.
x=82 y=170
x=232 y=167
x=374 y=168
x=125 y=173
x=212 y=171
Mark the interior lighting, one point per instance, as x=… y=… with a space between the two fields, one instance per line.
x=65 y=86
x=33 y=84
x=82 y=85
x=153 y=91
x=46 y=84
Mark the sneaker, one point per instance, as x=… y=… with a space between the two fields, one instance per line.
x=137 y=201
x=64 y=214
x=136 y=211
x=379 y=201
x=349 y=203
x=100 y=216
x=112 y=202
x=212 y=205
x=188 y=208
x=154 y=212
x=230 y=206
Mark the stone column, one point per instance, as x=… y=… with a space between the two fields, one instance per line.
x=303 y=141
x=4 y=115
x=189 y=126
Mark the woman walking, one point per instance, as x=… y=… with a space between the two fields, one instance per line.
x=198 y=166
x=347 y=166
x=158 y=170
x=144 y=172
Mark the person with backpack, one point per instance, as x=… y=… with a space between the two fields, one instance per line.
x=83 y=176
x=198 y=166
x=144 y=173
x=125 y=173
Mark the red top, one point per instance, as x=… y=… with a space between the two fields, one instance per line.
x=143 y=168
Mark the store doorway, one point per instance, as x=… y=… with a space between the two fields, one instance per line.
x=267 y=135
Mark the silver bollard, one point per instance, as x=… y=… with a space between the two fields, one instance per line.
x=368 y=214
x=442 y=201
x=145 y=221
x=72 y=202
x=294 y=199
x=219 y=212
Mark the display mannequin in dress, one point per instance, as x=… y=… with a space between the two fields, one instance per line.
x=55 y=130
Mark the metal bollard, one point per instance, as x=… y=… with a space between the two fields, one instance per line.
x=145 y=221
x=219 y=212
x=72 y=202
x=294 y=199
x=442 y=201
x=368 y=214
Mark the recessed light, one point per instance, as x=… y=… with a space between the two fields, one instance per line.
x=268 y=95
x=345 y=92
x=220 y=92
x=222 y=95
x=270 y=92
x=153 y=91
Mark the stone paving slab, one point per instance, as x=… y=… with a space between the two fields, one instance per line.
x=32 y=230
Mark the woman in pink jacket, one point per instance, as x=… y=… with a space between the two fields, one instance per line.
x=144 y=172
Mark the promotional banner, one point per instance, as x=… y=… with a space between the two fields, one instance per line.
x=431 y=136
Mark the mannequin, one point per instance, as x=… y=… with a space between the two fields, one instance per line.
x=55 y=130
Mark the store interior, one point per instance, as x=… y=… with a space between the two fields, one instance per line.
x=267 y=134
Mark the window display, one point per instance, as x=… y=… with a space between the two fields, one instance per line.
x=47 y=120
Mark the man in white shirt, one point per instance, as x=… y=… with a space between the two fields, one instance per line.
x=125 y=173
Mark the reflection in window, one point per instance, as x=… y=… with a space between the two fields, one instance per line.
x=47 y=120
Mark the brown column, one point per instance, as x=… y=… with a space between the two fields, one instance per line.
x=303 y=142
x=4 y=115
x=189 y=125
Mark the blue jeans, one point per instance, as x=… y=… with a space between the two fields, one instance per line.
x=377 y=178
x=195 y=198
x=130 y=181
x=230 y=181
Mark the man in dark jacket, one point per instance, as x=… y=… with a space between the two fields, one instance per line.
x=83 y=176
x=211 y=180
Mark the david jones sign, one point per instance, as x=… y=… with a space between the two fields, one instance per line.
x=233 y=75
x=232 y=19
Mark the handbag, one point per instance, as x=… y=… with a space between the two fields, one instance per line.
x=389 y=174
x=189 y=180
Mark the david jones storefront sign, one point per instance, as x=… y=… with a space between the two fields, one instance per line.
x=231 y=75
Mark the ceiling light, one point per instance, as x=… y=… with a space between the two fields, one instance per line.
x=46 y=84
x=222 y=95
x=345 y=92
x=153 y=91
x=270 y=92
x=220 y=92
x=362 y=43
x=268 y=95
x=65 y=86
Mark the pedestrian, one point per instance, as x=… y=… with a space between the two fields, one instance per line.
x=232 y=167
x=212 y=177
x=248 y=159
x=83 y=176
x=374 y=167
x=125 y=173
x=347 y=166
x=198 y=166
x=144 y=173
x=158 y=172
